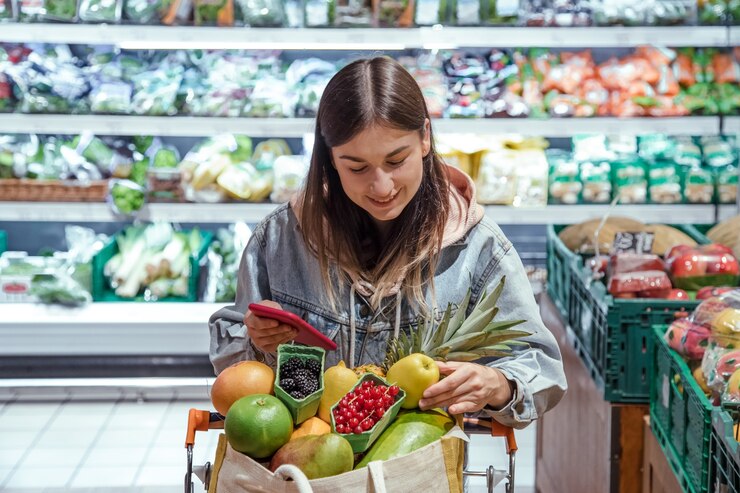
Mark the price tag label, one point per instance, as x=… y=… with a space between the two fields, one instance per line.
x=633 y=242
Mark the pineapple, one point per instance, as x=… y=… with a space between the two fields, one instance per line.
x=456 y=338
x=361 y=370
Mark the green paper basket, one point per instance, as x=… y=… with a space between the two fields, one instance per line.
x=300 y=409
x=363 y=441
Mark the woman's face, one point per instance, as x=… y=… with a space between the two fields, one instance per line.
x=381 y=169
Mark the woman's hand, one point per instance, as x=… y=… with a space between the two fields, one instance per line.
x=468 y=387
x=267 y=333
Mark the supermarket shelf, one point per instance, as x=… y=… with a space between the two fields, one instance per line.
x=734 y=36
x=164 y=37
x=726 y=212
x=554 y=214
x=101 y=212
x=252 y=213
x=187 y=126
x=731 y=125
x=105 y=329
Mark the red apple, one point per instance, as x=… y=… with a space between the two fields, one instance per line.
x=689 y=265
x=677 y=251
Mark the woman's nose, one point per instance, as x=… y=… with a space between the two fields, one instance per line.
x=382 y=184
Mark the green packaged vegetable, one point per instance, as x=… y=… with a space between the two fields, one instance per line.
x=102 y=11
x=146 y=11
x=262 y=13
x=213 y=12
x=166 y=157
x=319 y=13
x=565 y=182
x=717 y=152
x=727 y=178
x=466 y=12
x=394 y=13
x=41 y=10
x=664 y=183
x=656 y=147
x=629 y=180
x=698 y=185
x=431 y=12
x=126 y=197
x=597 y=185
x=688 y=153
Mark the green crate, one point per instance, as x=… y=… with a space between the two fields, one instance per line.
x=612 y=336
x=102 y=291
x=680 y=416
x=363 y=441
x=3 y=241
x=300 y=409
x=725 y=466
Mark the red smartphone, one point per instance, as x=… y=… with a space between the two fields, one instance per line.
x=307 y=334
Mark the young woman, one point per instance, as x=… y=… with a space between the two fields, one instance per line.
x=384 y=231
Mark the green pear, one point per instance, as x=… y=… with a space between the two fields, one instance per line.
x=414 y=374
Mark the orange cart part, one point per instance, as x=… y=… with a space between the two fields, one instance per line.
x=197 y=421
x=497 y=430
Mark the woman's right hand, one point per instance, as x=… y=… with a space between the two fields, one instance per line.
x=267 y=333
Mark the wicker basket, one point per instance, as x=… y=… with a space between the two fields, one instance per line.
x=52 y=191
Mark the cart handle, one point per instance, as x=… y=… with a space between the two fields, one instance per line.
x=201 y=421
x=497 y=430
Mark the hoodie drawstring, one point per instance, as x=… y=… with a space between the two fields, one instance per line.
x=353 y=324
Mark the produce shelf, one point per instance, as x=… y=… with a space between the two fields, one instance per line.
x=734 y=36
x=184 y=37
x=731 y=124
x=252 y=213
x=726 y=212
x=190 y=126
x=32 y=329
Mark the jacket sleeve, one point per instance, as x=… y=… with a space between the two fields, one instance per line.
x=230 y=342
x=536 y=370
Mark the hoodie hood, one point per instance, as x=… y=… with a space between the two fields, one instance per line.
x=464 y=214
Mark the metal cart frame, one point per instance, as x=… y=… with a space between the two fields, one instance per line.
x=207 y=420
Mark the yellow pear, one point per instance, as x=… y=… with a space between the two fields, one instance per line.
x=414 y=374
x=338 y=380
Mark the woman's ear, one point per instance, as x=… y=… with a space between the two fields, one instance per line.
x=426 y=140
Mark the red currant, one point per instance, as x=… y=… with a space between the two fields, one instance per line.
x=358 y=429
x=353 y=422
x=387 y=401
x=377 y=392
x=340 y=420
x=341 y=429
x=369 y=404
x=393 y=390
x=379 y=412
x=366 y=425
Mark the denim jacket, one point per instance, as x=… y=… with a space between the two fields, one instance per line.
x=277 y=265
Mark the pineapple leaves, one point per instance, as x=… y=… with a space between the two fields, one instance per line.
x=440 y=336
x=462 y=356
x=459 y=317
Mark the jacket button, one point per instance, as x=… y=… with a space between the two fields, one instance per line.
x=364 y=311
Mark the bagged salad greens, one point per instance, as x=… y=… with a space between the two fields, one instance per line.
x=261 y=13
x=394 y=13
x=353 y=13
x=108 y=11
x=430 y=12
x=213 y=12
x=47 y=10
x=319 y=13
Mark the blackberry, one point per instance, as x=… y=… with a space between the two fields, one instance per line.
x=287 y=384
x=314 y=366
x=291 y=366
x=306 y=381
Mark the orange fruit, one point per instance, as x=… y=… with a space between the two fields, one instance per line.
x=258 y=425
x=312 y=426
x=240 y=380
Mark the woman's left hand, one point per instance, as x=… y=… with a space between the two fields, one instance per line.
x=468 y=387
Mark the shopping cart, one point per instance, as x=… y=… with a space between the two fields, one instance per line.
x=207 y=420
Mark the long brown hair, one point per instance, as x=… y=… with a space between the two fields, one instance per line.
x=367 y=92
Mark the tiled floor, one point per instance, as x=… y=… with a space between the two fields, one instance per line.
x=138 y=447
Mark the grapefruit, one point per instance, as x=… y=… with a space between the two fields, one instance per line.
x=258 y=425
x=240 y=380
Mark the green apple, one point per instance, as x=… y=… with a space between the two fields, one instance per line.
x=414 y=374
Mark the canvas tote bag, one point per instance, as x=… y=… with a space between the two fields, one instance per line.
x=436 y=468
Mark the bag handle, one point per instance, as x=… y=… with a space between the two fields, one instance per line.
x=289 y=471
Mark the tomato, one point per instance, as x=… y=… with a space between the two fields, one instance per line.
x=677 y=251
x=689 y=265
x=716 y=248
x=723 y=264
x=710 y=292
x=677 y=294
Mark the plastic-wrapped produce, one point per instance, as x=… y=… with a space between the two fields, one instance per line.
x=626 y=262
x=155 y=11
x=271 y=98
x=656 y=147
x=687 y=338
x=319 y=13
x=698 y=185
x=636 y=283
x=7 y=10
x=125 y=197
x=111 y=98
x=630 y=181
x=597 y=185
x=664 y=183
x=108 y=11
x=565 y=180
x=155 y=92
x=213 y=12
x=431 y=12
x=706 y=265
x=727 y=184
x=717 y=151
x=687 y=153
x=353 y=13
x=262 y=13
x=466 y=12
x=47 y=10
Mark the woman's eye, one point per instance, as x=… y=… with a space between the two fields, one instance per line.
x=358 y=170
x=397 y=163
